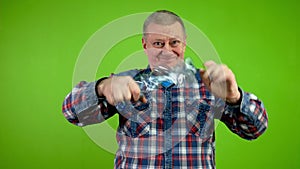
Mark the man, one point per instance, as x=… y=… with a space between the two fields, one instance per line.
x=178 y=131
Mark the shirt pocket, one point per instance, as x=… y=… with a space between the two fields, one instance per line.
x=199 y=117
x=136 y=128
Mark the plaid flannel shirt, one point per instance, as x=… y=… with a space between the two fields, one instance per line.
x=177 y=131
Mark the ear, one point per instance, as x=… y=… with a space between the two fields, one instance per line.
x=144 y=43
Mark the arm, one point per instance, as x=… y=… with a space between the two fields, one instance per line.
x=247 y=119
x=90 y=103
x=83 y=107
x=244 y=113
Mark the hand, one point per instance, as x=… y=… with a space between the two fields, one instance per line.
x=117 y=89
x=220 y=81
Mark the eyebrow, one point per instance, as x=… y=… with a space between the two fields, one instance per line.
x=159 y=39
x=171 y=39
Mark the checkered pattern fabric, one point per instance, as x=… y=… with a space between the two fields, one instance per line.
x=176 y=130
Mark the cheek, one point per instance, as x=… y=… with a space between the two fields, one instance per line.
x=150 y=58
x=151 y=61
x=180 y=52
x=152 y=54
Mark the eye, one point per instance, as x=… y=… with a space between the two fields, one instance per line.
x=174 y=43
x=158 y=44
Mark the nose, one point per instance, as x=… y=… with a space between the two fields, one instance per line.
x=167 y=47
x=167 y=52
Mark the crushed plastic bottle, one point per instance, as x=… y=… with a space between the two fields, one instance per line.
x=181 y=75
x=181 y=103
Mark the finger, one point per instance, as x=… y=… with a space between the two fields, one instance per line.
x=209 y=63
x=143 y=99
x=134 y=90
x=110 y=100
x=209 y=71
x=210 y=68
x=218 y=74
x=205 y=78
x=127 y=95
x=118 y=97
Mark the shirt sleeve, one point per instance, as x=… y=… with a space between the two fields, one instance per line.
x=248 y=119
x=82 y=106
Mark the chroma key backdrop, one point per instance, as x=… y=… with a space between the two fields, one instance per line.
x=46 y=47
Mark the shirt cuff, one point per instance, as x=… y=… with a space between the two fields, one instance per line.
x=240 y=99
x=233 y=108
x=100 y=98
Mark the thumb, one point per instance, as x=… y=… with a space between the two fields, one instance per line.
x=205 y=78
x=209 y=63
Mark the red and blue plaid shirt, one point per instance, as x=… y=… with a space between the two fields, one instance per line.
x=176 y=131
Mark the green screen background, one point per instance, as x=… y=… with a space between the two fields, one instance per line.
x=41 y=40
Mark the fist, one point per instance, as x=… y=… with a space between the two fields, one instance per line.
x=220 y=81
x=117 y=89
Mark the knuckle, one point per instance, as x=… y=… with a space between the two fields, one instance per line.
x=127 y=96
x=224 y=66
x=110 y=100
x=128 y=78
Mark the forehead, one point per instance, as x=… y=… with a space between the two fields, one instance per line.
x=174 y=30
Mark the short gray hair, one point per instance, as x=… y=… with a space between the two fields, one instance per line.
x=163 y=17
